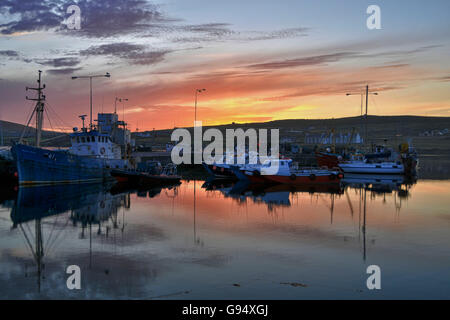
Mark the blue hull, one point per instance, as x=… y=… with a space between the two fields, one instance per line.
x=42 y=166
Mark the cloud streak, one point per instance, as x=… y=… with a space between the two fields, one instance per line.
x=134 y=53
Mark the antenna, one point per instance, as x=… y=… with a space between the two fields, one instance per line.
x=38 y=109
x=82 y=117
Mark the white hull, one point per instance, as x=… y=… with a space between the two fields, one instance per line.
x=372 y=168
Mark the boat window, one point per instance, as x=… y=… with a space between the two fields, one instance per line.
x=88 y=139
x=83 y=140
x=78 y=139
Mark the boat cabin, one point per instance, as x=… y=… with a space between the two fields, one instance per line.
x=94 y=144
x=276 y=166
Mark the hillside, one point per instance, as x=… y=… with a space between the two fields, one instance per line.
x=395 y=129
x=11 y=133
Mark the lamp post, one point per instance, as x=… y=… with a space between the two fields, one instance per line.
x=367 y=107
x=90 y=77
x=123 y=106
x=197 y=91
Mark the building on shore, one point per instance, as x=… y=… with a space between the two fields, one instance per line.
x=333 y=138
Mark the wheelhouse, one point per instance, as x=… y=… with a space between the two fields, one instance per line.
x=95 y=144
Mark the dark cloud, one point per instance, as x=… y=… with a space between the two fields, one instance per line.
x=211 y=29
x=13 y=55
x=118 y=17
x=392 y=66
x=338 y=56
x=9 y=53
x=62 y=71
x=30 y=15
x=98 y=18
x=306 y=61
x=222 y=32
x=112 y=18
x=277 y=34
x=59 y=62
x=401 y=53
x=134 y=53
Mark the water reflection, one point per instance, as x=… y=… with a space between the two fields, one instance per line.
x=196 y=239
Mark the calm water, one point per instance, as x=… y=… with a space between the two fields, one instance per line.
x=228 y=242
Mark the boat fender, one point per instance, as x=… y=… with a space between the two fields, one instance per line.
x=293 y=176
x=340 y=176
x=312 y=176
x=214 y=167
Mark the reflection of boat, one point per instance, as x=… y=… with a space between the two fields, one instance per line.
x=278 y=194
x=333 y=188
x=257 y=192
x=141 y=191
x=42 y=201
x=380 y=184
x=87 y=203
x=218 y=184
x=355 y=178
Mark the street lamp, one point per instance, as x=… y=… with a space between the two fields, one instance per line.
x=106 y=75
x=197 y=91
x=120 y=100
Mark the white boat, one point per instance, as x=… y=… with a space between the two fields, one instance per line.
x=385 y=167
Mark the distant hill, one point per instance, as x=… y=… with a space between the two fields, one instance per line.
x=425 y=132
x=12 y=131
x=412 y=124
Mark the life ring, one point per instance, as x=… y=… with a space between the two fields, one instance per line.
x=102 y=150
x=312 y=176
x=293 y=176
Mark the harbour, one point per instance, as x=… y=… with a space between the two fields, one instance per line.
x=270 y=228
x=224 y=159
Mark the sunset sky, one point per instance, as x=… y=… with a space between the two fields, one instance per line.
x=259 y=60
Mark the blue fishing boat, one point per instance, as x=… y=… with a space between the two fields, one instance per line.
x=94 y=151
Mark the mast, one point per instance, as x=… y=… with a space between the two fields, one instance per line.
x=38 y=109
x=367 y=107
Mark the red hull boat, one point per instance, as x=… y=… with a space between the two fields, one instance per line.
x=328 y=160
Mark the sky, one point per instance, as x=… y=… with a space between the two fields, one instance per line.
x=258 y=60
